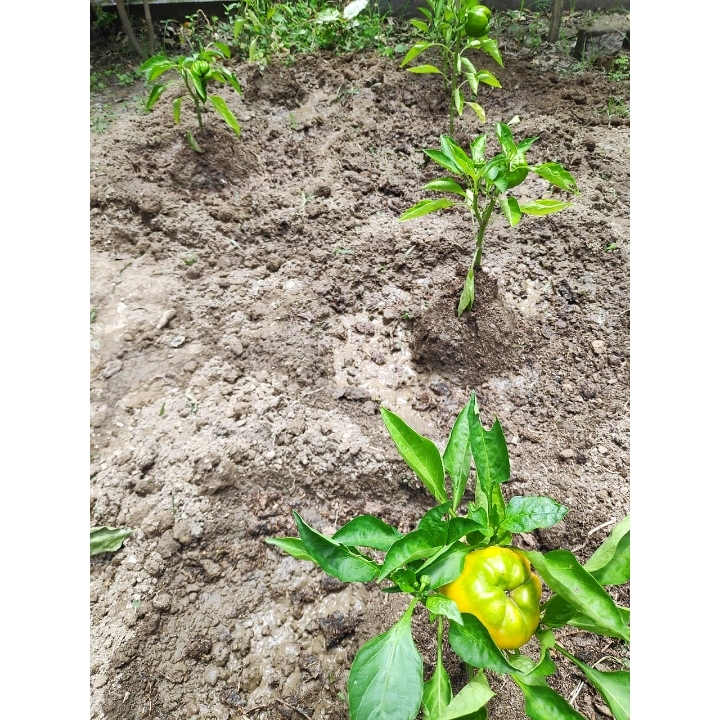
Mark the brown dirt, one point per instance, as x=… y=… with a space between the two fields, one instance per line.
x=255 y=305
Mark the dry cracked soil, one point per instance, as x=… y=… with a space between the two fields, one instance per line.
x=253 y=307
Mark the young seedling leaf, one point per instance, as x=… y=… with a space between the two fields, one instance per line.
x=177 y=106
x=414 y=51
x=425 y=207
x=292 y=546
x=614 y=686
x=511 y=209
x=225 y=113
x=387 y=675
x=543 y=703
x=437 y=693
x=557 y=175
x=477 y=109
x=425 y=70
x=441 y=605
x=419 y=453
x=445 y=185
x=490 y=453
x=470 y=700
x=610 y=563
x=473 y=644
x=155 y=94
x=483 y=76
x=451 y=149
x=457 y=454
x=467 y=296
x=442 y=159
x=107 y=539
x=333 y=558
x=505 y=138
x=564 y=575
x=419 y=544
x=527 y=513
x=544 y=207
x=367 y=531
x=478 y=145
x=445 y=567
x=459 y=101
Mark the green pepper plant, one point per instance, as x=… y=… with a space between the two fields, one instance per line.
x=196 y=71
x=454 y=28
x=484 y=185
x=465 y=569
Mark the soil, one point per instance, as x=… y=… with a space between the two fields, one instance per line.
x=255 y=305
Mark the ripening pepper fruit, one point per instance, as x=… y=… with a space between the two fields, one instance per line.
x=478 y=19
x=499 y=589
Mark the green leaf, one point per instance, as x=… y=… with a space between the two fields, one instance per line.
x=459 y=101
x=511 y=209
x=367 y=531
x=419 y=544
x=425 y=70
x=441 y=159
x=199 y=85
x=544 y=207
x=524 y=145
x=543 y=703
x=437 y=693
x=470 y=700
x=333 y=558
x=557 y=175
x=472 y=82
x=467 y=65
x=488 y=78
x=505 y=138
x=225 y=113
x=492 y=462
x=564 y=575
x=525 y=513
x=614 y=686
x=446 y=566
x=441 y=605
x=477 y=146
x=107 y=539
x=425 y=207
x=432 y=522
x=490 y=47
x=177 y=106
x=445 y=185
x=414 y=51
x=451 y=149
x=467 y=296
x=193 y=143
x=473 y=644
x=610 y=563
x=292 y=546
x=419 y=25
x=582 y=622
x=477 y=109
x=457 y=454
x=154 y=96
x=386 y=677
x=223 y=48
x=419 y=453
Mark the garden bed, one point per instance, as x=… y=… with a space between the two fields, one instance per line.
x=255 y=305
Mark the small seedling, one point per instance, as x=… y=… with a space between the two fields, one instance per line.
x=484 y=185
x=466 y=570
x=454 y=28
x=195 y=71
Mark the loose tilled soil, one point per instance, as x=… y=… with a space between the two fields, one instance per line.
x=254 y=307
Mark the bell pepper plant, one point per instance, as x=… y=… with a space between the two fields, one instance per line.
x=462 y=563
x=484 y=185
x=454 y=30
x=196 y=72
